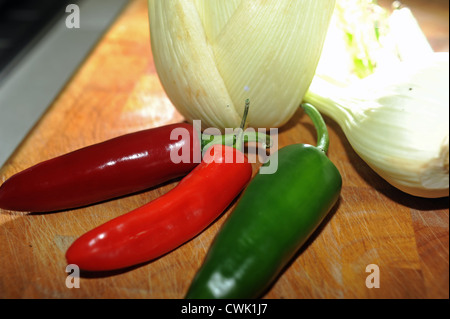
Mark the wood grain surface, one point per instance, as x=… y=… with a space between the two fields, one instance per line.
x=117 y=91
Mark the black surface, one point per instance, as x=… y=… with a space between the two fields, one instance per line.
x=22 y=22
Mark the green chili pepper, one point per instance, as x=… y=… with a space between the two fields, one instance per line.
x=274 y=217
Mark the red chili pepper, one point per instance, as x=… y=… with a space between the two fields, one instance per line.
x=167 y=222
x=120 y=166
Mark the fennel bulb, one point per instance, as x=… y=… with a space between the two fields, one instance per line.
x=397 y=121
x=388 y=91
x=212 y=55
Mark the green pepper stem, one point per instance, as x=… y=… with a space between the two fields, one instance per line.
x=323 y=139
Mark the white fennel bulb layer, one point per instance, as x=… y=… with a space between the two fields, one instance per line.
x=397 y=120
x=212 y=55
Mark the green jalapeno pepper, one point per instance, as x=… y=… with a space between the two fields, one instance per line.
x=274 y=217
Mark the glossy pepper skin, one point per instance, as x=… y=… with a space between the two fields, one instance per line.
x=116 y=167
x=167 y=222
x=273 y=218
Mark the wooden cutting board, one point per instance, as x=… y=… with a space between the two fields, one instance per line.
x=117 y=91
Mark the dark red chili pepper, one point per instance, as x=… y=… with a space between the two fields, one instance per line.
x=167 y=222
x=120 y=166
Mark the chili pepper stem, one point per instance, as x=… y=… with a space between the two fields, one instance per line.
x=323 y=139
x=237 y=140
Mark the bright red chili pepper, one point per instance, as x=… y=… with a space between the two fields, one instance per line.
x=167 y=222
x=120 y=166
